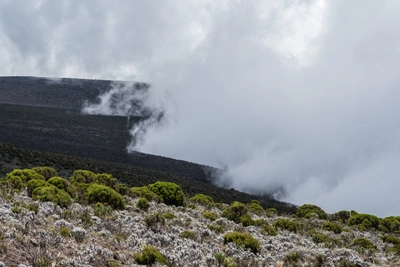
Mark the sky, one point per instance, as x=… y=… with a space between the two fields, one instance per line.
x=295 y=98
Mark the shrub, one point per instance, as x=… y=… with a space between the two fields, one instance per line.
x=53 y=194
x=123 y=189
x=46 y=172
x=80 y=191
x=65 y=232
x=155 y=221
x=342 y=216
x=306 y=210
x=33 y=184
x=203 y=200
x=62 y=184
x=391 y=239
x=255 y=207
x=285 y=224
x=244 y=240
x=268 y=230
x=246 y=220
x=210 y=215
x=272 y=211
x=216 y=228
x=169 y=216
x=169 y=193
x=143 y=204
x=83 y=176
x=104 y=194
x=319 y=237
x=330 y=226
x=390 y=224
x=107 y=180
x=145 y=192
x=19 y=177
x=188 y=234
x=235 y=211
x=292 y=259
x=101 y=210
x=364 y=243
x=364 y=221
x=149 y=256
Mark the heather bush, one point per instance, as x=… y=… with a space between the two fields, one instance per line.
x=100 y=210
x=169 y=216
x=123 y=189
x=268 y=230
x=342 y=216
x=46 y=172
x=65 y=232
x=364 y=221
x=107 y=180
x=306 y=210
x=188 y=234
x=330 y=226
x=288 y=225
x=169 y=193
x=52 y=194
x=83 y=176
x=237 y=212
x=18 y=178
x=106 y=195
x=390 y=224
x=145 y=192
x=391 y=239
x=364 y=244
x=149 y=256
x=255 y=207
x=203 y=200
x=319 y=237
x=62 y=184
x=155 y=221
x=210 y=215
x=33 y=184
x=244 y=240
x=143 y=204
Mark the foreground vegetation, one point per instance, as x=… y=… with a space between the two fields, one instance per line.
x=91 y=219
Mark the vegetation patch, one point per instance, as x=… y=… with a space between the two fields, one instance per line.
x=149 y=256
x=169 y=193
x=285 y=224
x=106 y=195
x=52 y=194
x=330 y=226
x=203 y=200
x=244 y=240
x=306 y=210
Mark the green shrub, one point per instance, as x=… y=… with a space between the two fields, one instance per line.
x=216 y=228
x=306 y=210
x=235 y=211
x=18 y=178
x=364 y=221
x=330 y=226
x=390 y=224
x=319 y=237
x=107 y=180
x=169 y=216
x=342 y=216
x=80 y=191
x=288 y=225
x=203 y=200
x=33 y=184
x=155 y=221
x=104 y=194
x=364 y=243
x=391 y=239
x=83 y=176
x=31 y=207
x=210 y=215
x=112 y=263
x=272 y=211
x=86 y=219
x=292 y=259
x=46 y=172
x=16 y=209
x=65 y=232
x=268 y=230
x=145 y=192
x=149 y=256
x=123 y=189
x=100 y=210
x=169 y=193
x=188 y=234
x=255 y=207
x=143 y=204
x=62 y=184
x=244 y=240
x=246 y=220
x=52 y=194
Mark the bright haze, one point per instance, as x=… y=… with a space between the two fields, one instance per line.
x=296 y=98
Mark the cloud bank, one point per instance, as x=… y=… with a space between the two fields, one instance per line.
x=296 y=98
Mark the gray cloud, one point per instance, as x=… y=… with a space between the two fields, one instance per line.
x=298 y=96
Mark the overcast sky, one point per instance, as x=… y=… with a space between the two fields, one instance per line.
x=300 y=98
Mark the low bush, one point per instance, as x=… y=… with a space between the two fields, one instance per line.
x=255 y=207
x=235 y=211
x=216 y=228
x=169 y=193
x=100 y=210
x=143 y=204
x=65 y=232
x=169 y=216
x=20 y=177
x=123 y=189
x=269 y=230
x=106 y=195
x=292 y=259
x=33 y=184
x=288 y=225
x=62 y=184
x=391 y=239
x=149 y=256
x=390 y=224
x=364 y=221
x=342 y=216
x=364 y=243
x=46 y=172
x=306 y=210
x=188 y=234
x=244 y=240
x=52 y=194
x=203 y=200
x=145 y=192
x=330 y=226
x=155 y=221
x=83 y=176
x=210 y=215
x=107 y=180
